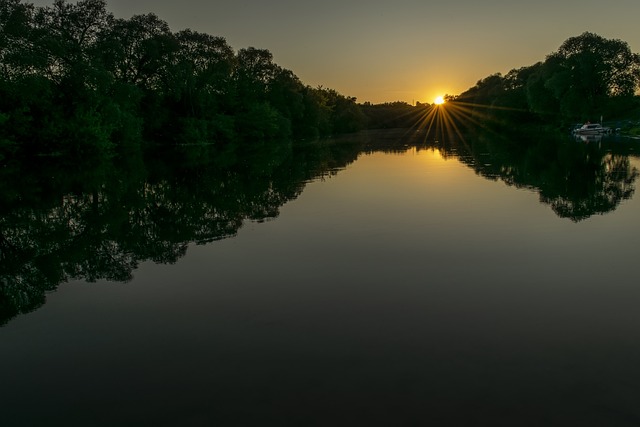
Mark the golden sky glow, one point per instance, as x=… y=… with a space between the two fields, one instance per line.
x=406 y=50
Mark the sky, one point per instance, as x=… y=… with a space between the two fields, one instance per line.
x=395 y=50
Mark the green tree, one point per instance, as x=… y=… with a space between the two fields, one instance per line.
x=200 y=88
x=74 y=80
x=583 y=75
x=540 y=98
x=139 y=50
x=257 y=118
x=607 y=65
x=15 y=25
x=139 y=53
x=286 y=96
x=254 y=73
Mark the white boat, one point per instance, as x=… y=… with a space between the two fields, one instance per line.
x=591 y=129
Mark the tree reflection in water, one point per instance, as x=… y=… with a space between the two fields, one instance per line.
x=57 y=224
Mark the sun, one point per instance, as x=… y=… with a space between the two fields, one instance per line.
x=439 y=100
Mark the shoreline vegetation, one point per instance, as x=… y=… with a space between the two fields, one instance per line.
x=77 y=82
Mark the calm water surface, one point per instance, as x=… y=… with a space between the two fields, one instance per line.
x=380 y=282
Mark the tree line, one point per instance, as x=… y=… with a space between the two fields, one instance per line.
x=74 y=79
x=588 y=77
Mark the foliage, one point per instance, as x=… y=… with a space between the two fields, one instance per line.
x=586 y=78
x=76 y=81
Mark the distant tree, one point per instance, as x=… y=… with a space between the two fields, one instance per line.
x=74 y=80
x=286 y=93
x=316 y=119
x=53 y=83
x=263 y=89
x=606 y=65
x=578 y=80
x=15 y=26
x=587 y=77
x=200 y=88
x=396 y=114
x=540 y=98
x=139 y=50
x=202 y=71
x=478 y=101
x=254 y=73
x=16 y=91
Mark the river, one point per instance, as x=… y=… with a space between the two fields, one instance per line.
x=376 y=279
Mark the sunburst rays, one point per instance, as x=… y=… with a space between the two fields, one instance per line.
x=450 y=121
x=450 y=118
